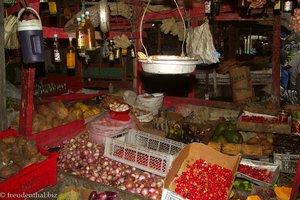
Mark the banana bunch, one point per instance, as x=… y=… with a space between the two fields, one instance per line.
x=120 y=8
x=121 y=42
x=174 y=28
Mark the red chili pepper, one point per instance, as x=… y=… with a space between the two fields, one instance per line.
x=204 y=181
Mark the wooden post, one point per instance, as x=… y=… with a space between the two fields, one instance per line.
x=276 y=62
x=3 y=118
x=26 y=105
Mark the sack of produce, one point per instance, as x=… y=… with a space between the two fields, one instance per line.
x=199 y=44
x=100 y=129
x=151 y=102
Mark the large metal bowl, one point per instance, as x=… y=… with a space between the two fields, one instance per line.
x=164 y=64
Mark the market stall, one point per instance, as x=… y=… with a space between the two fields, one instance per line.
x=70 y=142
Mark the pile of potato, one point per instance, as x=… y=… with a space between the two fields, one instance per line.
x=17 y=153
x=56 y=113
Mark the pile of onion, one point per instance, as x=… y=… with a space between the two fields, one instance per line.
x=83 y=158
x=295 y=21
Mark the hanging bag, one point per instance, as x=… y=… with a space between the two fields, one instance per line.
x=11 y=40
x=199 y=44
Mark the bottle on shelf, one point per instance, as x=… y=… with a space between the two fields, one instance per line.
x=56 y=50
x=207 y=7
x=132 y=50
x=124 y=51
x=89 y=34
x=52 y=7
x=243 y=6
x=217 y=7
x=71 y=58
x=117 y=53
x=288 y=6
x=111 y=56
x=277 y=7
x=80 y=46
x=67 y=10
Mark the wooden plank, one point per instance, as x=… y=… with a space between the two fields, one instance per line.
x=276 y=62
x=3 y=119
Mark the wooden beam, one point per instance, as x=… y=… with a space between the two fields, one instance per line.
x=3 y=118
x=276 y=61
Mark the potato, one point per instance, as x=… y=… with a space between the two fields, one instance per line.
x=254 y=140
x=30 y=149
x=3 y=146
x=56 y=122
x=9 y=171
x=9 y=140
x=45 y=110
x=49 y=118
x=60 y=109
x=88 y=113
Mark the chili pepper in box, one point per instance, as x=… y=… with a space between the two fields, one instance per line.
x=205 y=181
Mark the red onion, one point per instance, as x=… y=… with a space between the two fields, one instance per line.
x=144 y=191
x=83 y=158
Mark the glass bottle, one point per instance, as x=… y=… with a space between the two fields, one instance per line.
x=207 y=7
x=243 y=5
x=89 y=34
x=217 y=5
x=288 y=6
x=56 y=50
x=277 y=7
x=70 y=58
x=80 y=46
x=52 y=7
x=132 y=50
x=67 y=10
x=124 y=51
x=111 y=56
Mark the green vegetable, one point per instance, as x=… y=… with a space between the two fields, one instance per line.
x=233 y=136
x=71 y=195
x=219 y=138
x=245 y=185
x=220 y=128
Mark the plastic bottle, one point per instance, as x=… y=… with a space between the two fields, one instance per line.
x=56 y=50
x=132 y=50
x=71 y=59
x=67 y=10
x=52 y=7
x=79 y=37
x=110 y=88
x=89 y=34
x=111 y=56
x=288 y=6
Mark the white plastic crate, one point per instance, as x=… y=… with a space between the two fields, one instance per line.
x=143 y=150
x=287 y=163
x=168 y=195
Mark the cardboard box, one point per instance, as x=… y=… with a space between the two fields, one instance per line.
x=193 y=152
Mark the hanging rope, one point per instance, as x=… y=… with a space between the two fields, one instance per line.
x=141 y=29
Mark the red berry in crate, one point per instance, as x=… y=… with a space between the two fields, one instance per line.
x=259 y=174
x=204 y=181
